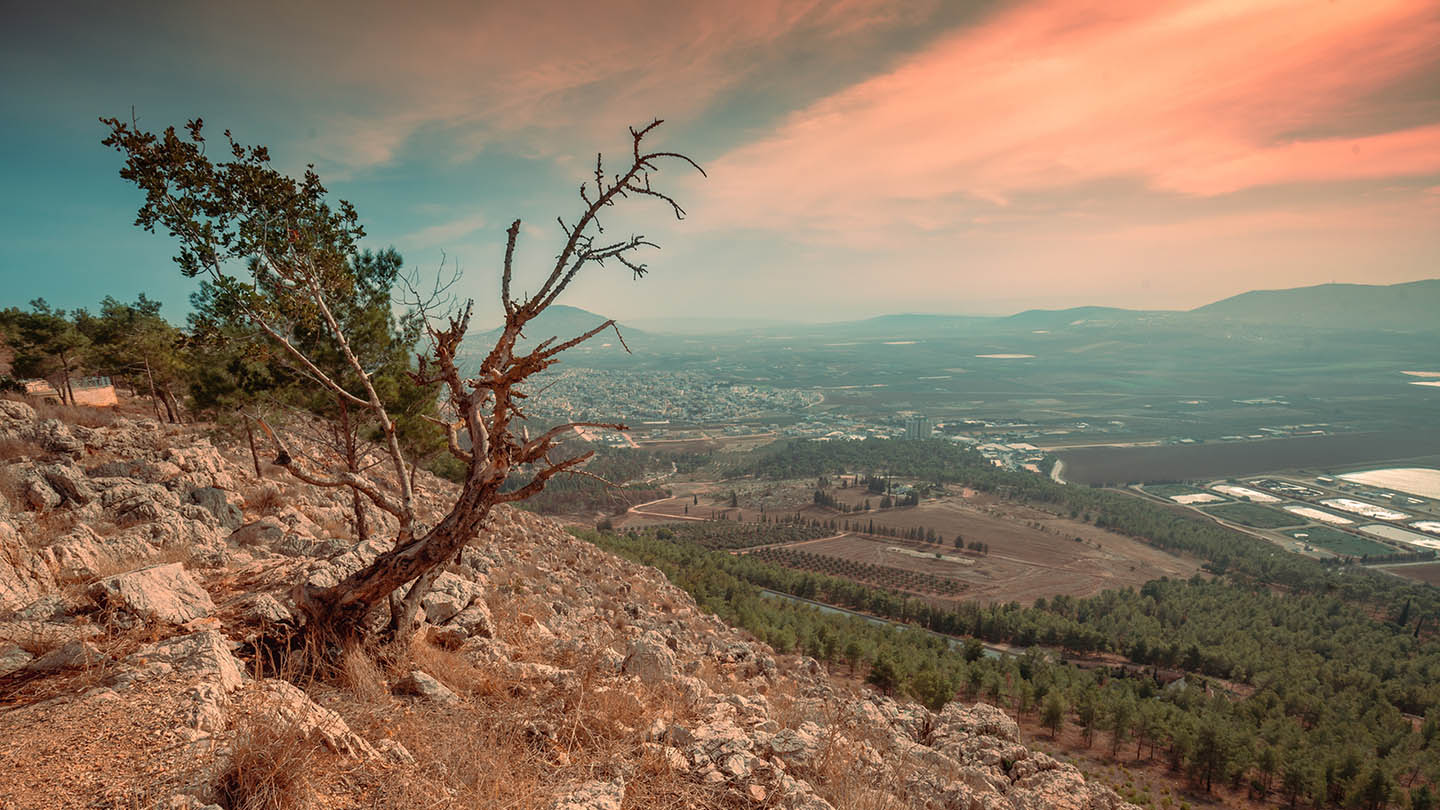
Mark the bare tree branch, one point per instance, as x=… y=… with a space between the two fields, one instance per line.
x=284 y=459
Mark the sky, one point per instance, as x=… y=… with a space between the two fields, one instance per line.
x=863 y=156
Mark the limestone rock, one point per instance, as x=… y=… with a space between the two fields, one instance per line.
x=13 y=657
x=24 y=578
x=68 y=482
x=32 y=634
x=38 y=495
x=16 y=413
x=650 y=659
x=160 y=592
x=263 y=608
x=593 y=795
x=263 y=532
x=217 y=503
x=131 y=502
x=283 y=702
x=82 y=554
x=419 y=684
x=448 y=595
x=56 y=436
x=797 y=746
x=74 y=655
x=204 y=653
x=331 y=572
x=957 y=721
x=474 y=620
x=394 y=751
x=201 y=465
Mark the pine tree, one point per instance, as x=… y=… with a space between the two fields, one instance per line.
x=1052 y=716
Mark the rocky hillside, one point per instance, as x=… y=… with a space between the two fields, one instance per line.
x=144 y=576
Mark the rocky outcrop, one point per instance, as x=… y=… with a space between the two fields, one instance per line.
x=421 y=685
x=73 y=655
x=283 y=703
x=593 y=795
x=650 y=659
x=586 y=645
x=57 y=437
x=24 y=577
x=217 y=502
x=163 y=593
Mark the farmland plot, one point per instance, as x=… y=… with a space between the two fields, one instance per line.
x=1319 y=515
x=1421 y=481
x=1409 y=538
x=1246 y=493
x=1369 y=510
x=1248 y=514
x=1032 y=553
x=1338 y=542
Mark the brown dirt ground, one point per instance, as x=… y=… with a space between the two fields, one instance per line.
x=1428 y=573
x=1132 y=779
x=1033 y=553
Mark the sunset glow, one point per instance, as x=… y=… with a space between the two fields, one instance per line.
x=1041 y=153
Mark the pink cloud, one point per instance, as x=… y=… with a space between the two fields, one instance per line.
x=1192 y=98
x=547 y=70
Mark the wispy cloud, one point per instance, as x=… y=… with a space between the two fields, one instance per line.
x=1187 y=98
x=541 y=71
x=444 y=233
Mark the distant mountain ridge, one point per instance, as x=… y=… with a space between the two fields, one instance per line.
x=1407 y=307
x=561 y=322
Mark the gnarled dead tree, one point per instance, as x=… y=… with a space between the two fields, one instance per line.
x=297 y=250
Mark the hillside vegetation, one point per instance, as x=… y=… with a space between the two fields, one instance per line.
x=145 y=581
x=1309 y=698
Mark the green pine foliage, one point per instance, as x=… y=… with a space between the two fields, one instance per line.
x=1300 y=697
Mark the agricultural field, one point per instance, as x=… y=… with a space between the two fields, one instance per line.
x=1368 y=510
x=1032 y=553
x=1172 y=490
x=1398 y=535
x=1338 y=542
x=721 y=534
x=1183 y=494
x=1249 y=514
x=1319 y=515
x=1421 y=481
x=1429 y=573
x=1246 y=493
x=1171 y=462
x=889 y=577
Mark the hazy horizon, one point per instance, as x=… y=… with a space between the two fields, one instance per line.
x=865 y=158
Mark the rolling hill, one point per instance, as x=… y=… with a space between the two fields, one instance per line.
x=1410 y=307
x=559 y=321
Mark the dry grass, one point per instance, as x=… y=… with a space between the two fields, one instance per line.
x=450 y=668
x=10 y=489
x=360 y=674
x=269 y=768
x=514 y=745
x=49 y=527
x=113 y=642
x=263 y=500
x=13 y=448
x=112 y=564
x=73 y=414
